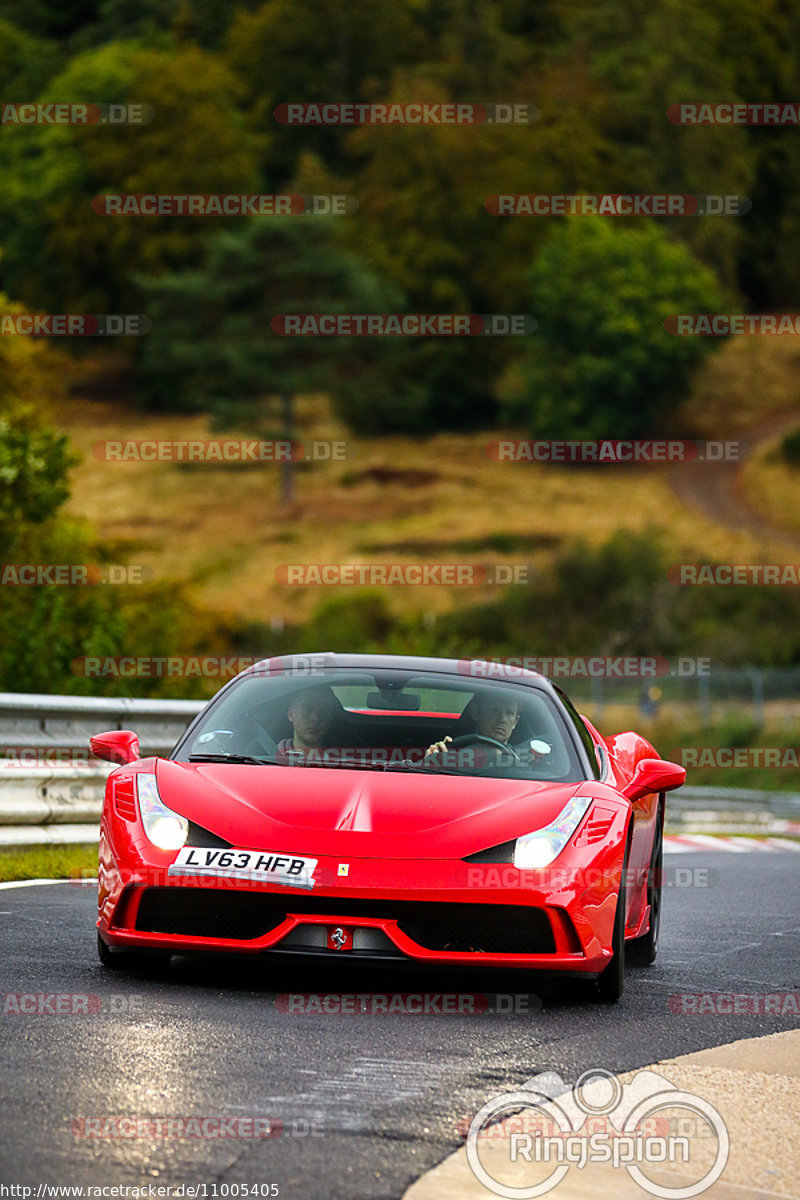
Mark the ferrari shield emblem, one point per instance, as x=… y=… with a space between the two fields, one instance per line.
x=340 y=939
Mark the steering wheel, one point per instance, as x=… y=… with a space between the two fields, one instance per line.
x=467 y=738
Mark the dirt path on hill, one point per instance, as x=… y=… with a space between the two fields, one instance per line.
x=716 y=489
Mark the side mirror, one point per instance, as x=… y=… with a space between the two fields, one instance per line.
x=118 y=746
x=654 y=775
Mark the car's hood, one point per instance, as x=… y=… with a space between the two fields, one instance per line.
x=373 y=814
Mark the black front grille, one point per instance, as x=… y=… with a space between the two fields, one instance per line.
x=208 y=912
x=458 y=928
x=479 y=928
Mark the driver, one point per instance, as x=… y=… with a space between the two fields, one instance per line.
x=496 y=716
x=312 y=715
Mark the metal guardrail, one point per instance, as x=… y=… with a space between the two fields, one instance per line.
x=43 y=801
x=40 y=722
x=732 y=810
x=42 y=804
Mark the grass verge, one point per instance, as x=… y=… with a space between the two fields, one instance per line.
x=48 y=862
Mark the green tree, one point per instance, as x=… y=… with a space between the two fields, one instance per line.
x=50 y=18
x=60 y=255
x=212 y=348
x=34 y=459
x=601 y=363
x=26 y=63
x=332 y=50
x=646 y=57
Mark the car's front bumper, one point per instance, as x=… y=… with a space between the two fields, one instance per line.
x=426 y=910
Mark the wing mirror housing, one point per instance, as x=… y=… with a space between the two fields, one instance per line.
x=118 y=746
x=654 y=775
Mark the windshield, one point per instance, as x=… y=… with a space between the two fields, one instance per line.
x=388 y=720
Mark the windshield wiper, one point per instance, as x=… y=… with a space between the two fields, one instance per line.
x=231 y=758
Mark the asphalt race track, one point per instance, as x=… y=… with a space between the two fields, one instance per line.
x=366 y=1102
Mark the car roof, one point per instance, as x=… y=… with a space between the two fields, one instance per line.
x=462 y=668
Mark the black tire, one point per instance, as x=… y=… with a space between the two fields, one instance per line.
x=127 y=960
x=611 y=982
x=642 y=950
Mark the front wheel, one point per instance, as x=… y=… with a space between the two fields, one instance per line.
x=611 y=982
x=642 y=950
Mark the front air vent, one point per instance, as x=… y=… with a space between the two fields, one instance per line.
x=124 y=801
x=204 y=838
x=504 y=853
x=595 y=828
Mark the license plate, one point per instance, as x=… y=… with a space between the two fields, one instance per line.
x=259 y=866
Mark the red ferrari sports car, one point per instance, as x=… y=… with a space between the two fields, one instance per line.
x=384 y=807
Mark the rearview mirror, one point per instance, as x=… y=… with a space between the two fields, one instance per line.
x=118 y=746
x=654 y=775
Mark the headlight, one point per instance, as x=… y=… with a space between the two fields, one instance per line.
x=164 y=828
x=540 y=848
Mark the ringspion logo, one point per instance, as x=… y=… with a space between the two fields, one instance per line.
x=642 y=1126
